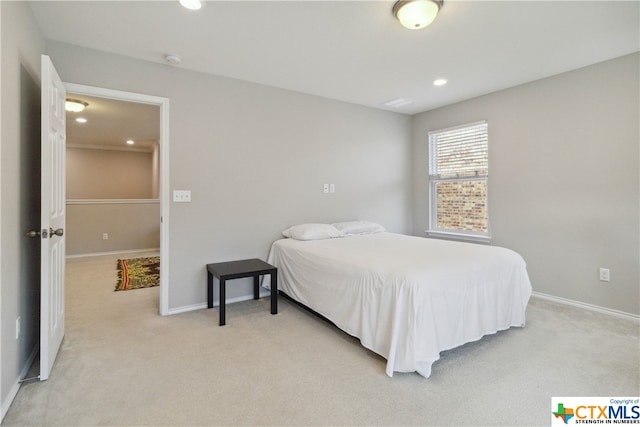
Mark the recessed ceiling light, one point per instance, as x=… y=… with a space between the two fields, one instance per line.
x=192 y=4
x=75 y=105
x=440 y=82
x=130 y=141
x=81 y=120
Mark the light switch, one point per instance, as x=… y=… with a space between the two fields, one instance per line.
x=182 y=196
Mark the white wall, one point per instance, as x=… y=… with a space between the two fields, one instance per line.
x=255 y=159
x=564 y=184
x=129 y=224
x=20 y=180
x=95 y=175
x=109 y=174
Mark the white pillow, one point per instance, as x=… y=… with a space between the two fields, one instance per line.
x=312 y=232
x=358 y=227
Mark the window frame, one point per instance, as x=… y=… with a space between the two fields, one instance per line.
x=434 y=230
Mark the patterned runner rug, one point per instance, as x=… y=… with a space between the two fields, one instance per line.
x=135 y=273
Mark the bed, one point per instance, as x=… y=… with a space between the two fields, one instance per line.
x=406 y=298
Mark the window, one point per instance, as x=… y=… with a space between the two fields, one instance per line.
x=458 y=177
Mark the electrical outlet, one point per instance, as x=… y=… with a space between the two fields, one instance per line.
x=105 y=236
x=18 y=327
x=605 y=275
x=332 y=188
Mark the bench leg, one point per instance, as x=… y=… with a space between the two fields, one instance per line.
x=274 y=292
x=222 y=301
x=209 y=290
x=256 y=287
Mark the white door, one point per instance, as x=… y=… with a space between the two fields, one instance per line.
x=52 y=220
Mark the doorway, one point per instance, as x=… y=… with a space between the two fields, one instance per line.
x=159 y=188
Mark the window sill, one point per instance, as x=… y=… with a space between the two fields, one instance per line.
x=471 y=238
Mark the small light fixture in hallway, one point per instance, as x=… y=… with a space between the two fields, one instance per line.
x=75 y=105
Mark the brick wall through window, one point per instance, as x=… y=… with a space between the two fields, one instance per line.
x=462 y=206
x=459 y=173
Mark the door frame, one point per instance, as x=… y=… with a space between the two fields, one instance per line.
x=164 y=194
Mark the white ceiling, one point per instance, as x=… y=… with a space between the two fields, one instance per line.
x=110 y=123
x=355 y=51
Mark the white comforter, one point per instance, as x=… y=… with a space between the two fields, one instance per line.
x=406 y=298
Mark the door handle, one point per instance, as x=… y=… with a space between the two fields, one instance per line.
x=59 y=232
x=33 y=233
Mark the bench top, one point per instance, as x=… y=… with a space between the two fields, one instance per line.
x=240 y=268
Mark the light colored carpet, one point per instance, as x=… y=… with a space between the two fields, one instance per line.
x=123 y=364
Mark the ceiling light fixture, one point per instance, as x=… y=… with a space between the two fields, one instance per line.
x=81 y=120
x=192 y=4
x=75 y=105
x=130 y=141
x=440 y=82
x=416 y=14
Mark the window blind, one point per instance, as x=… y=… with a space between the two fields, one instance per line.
x=461 y=152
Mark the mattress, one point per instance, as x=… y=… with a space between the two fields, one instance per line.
x=406 y=298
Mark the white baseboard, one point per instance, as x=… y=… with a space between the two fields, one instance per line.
x=131 y=251
x=16 y=386
x=9 y=400
x=587 y=306
x=186 y=308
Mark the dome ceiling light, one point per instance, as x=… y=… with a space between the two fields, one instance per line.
x=192 y=4
x=75 y=105
x=416 y=14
